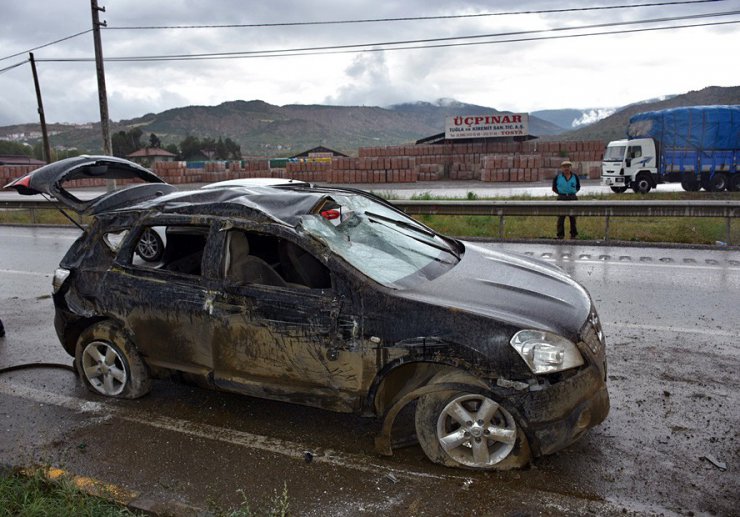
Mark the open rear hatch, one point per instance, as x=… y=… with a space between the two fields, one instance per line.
x=50 y=179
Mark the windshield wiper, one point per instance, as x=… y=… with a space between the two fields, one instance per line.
x=421 y=230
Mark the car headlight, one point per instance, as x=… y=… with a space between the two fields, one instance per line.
x=545 y=352
x=60 y=275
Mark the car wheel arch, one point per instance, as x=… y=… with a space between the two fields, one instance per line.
x=73 y=331
x=402 y=382
x=399 y=378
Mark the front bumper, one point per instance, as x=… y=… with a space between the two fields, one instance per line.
x=613 y=181
x=559 y=414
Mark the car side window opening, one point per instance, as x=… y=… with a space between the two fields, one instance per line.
x=254 y=258
x=114 y=239
x=183 y=248
x=635 y=151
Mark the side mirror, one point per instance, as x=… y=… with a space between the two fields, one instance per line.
x=628 y=161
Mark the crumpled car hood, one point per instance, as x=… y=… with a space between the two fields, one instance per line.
x=510 y=288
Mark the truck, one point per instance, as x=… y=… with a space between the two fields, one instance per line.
x=697 y=145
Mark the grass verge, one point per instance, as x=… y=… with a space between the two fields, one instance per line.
x=681 y=230
x=35 y=495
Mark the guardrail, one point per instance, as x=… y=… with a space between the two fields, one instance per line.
x=728 y=210
x=587 y=208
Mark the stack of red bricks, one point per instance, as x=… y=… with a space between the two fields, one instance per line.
x=309 y=171
x=429 y=171
x=519 y=161
x=9 y=173
x=518 y=167
x=397 y=169
x=490 y=162
x=177 y=172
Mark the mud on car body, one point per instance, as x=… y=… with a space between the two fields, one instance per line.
x=331 y=298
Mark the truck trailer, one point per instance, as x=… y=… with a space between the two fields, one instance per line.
x=698 y=146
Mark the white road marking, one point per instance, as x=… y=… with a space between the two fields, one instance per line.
x=613 y=325
x=290 y=449
x=17 y=272
x=639 y=264
x=36 y=236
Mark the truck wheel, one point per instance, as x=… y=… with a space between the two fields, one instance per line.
x=735 y=182
x=619 y=190
x=109 y=364
x=469 y=429
x=689 y=183
x=642 y=184
x=718 y=182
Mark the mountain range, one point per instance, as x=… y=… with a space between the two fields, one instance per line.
x=263 y=129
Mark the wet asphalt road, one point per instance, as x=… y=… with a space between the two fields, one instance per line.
x=670 y=318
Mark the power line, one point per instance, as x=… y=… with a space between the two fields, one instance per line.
x=46 y=44
x=442 y=45
x=2 y=70
x=420 y=43
x=411 y=18
x=369 y=20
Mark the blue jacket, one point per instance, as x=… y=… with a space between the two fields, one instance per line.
x=560 y=185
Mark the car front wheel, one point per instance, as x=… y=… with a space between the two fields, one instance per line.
x=109 y=364
x=470 y=430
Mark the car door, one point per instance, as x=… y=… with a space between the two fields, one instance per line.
x=280 y=339
x=166 y=303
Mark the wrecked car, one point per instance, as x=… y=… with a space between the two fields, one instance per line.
x=327 y=297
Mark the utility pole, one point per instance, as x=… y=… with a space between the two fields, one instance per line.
x=102 y=94
x=42 y=117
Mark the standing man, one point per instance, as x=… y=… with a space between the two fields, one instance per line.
x=566 y=185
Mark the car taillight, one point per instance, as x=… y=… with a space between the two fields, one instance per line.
x=60 y=275
x=331 y=214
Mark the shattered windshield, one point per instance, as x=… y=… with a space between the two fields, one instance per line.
x=385 y=245
x=614 y=154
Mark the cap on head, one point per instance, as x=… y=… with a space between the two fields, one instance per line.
x=566 y=163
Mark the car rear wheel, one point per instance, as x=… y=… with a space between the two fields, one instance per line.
x=470 y=430
x=619 y=190
x=109 y=364
x=150 y=246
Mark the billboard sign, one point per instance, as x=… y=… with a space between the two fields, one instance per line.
x=487 y=126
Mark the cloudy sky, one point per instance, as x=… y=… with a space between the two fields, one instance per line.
x=473 y=58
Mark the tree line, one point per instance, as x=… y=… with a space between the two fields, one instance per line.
x=191 y=148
